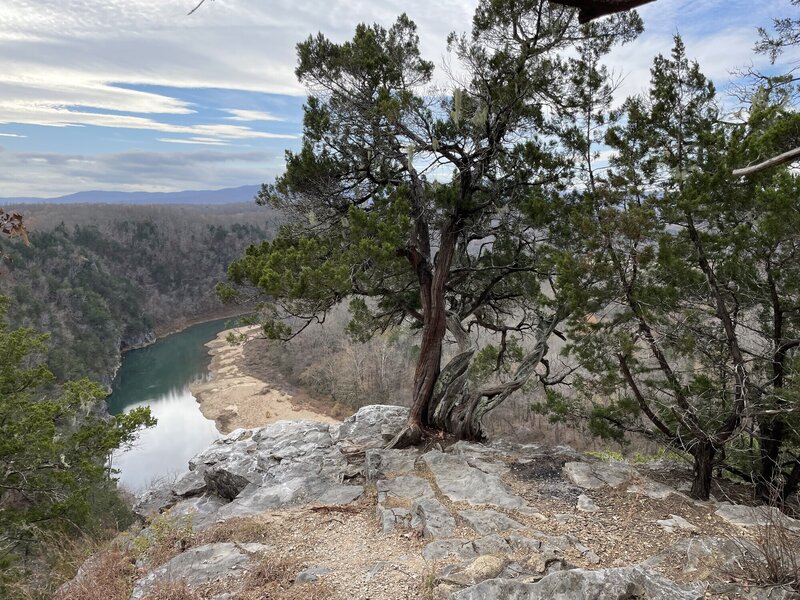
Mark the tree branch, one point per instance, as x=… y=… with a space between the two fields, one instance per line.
x=780 y=159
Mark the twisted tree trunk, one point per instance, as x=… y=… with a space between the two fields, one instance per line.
x=459 y=410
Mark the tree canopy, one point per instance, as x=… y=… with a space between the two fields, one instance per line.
x=438 y=208
x=696 y=293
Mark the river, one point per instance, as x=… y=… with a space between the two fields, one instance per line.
x=158 y=376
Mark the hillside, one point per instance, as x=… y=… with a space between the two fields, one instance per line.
x=101 y=278
x=244 y=193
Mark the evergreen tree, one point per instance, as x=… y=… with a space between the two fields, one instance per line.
x=441 y=209
x=691 y=319
x=53 y=447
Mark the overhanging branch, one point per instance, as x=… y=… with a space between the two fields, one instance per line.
x=780 y=159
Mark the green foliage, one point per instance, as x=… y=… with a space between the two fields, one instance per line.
x=692 y=307
x=613 y=420
x=428 y=209
x=53 y=447
x=606 y=455
x=492 y=360
x=556 y=406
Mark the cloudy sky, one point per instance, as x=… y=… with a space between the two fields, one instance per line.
x=135 y=95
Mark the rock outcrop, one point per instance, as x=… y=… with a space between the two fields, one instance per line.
x=493 y=521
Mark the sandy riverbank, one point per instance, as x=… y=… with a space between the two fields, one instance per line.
x=234 y=399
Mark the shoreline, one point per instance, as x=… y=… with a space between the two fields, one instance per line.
x=233 y=399
x=162 y=332
x=167 y=331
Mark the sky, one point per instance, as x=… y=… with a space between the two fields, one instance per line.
x=137 y=95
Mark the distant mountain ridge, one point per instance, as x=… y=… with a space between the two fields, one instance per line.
x=244 y=193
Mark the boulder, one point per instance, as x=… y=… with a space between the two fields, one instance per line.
x=593 y=476
x=201 y=565
x=200 y=511
x=189 y=484
x=154 y=501
x=372 y=426
x=474 y=571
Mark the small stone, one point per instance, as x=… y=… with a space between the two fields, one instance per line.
x=676 y=522
x=563 y=518
x=586 y=504
x=311 y=574
x=375 y=569
x=480 y=569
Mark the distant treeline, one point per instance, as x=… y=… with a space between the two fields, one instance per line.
x=100 y=278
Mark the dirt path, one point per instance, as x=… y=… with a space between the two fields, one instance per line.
x=233 y=398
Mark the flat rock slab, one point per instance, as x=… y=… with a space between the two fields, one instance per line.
x=593 y=476
x=486 y=522
x=441 y=549
x=461 y=482
x=381 y=462
x=200 y=565
x=704 y=555
x=756 y=516
x=608 y=584
x=409 y=487
x=256 y=499
x=434 y=520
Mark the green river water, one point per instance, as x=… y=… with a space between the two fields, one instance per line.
x=158 y=376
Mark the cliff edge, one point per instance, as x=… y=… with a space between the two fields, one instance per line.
x=303 y=509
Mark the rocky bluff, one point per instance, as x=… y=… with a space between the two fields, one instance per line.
x=466 y=522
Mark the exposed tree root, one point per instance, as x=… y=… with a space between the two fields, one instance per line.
x=410 y=435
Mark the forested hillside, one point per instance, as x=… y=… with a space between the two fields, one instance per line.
x=101 y=278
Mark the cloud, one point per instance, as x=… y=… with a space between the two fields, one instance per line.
x=195 y=140
x=250 y=115
x=54 y=116
x=121 y=65
x=57 y=174
x=719 y=34
x=12 y=135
